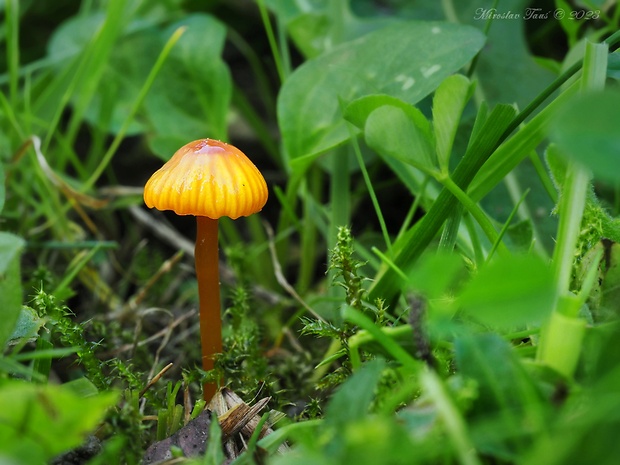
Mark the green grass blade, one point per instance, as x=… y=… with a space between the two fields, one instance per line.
x=409 y=248
x=454 y=422
x=394 y=349
x=12 y=46
x=107 y=157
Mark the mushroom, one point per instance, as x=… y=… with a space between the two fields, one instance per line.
x=208 y=179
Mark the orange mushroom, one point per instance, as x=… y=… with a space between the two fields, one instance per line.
x=208 y=179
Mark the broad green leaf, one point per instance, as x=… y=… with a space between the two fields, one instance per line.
x=10 y=284
x=567 y=21
x=191 y=97
x=520 y=235
x=27 y=325
x=82 y=387
x=320 y=25
x=613 y=65
x=39 y=422
x=358 y=111
x=310 y=101
x=353 y=398
x=118 y=89
x=509 y=406
x=510 y=293
x=372 y=440
x=392 y=132
x=436 y=274
x=448 y=104
x=506 y=71
x=586 y=129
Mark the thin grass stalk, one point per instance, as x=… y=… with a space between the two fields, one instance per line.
x=12 y=47
x=275 y=50
x=120 y=135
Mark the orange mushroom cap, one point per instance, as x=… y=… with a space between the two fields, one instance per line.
x=207 y=178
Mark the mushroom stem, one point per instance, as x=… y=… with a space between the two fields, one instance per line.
x=207 y=274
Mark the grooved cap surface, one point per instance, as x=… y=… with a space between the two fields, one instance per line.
x=207 y=178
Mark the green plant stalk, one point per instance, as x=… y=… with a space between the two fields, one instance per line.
x=43 y=365
x=370 y=188
x=572 y=204
x=258 y=71
x=285 y=53
x=333 y=352
x=544 y=177
x=447 y=4
x=413 y=209
x=562 y=338
x=506 y=225
x=81 y=65
x=275 y=50
x=256 y=122
x=393 y=348
x=452 y=419
x=308 y=233
x=510 y=153
x=450 y=231
x=288 y=216
x=507 y=156
x=521 y=208
x=502 y=162
x=80 y=261
x=162 y=423
x=273 y=440
x=419 y=237
x=404 y=394
x=96 y=59
x=52 y=204
x=9 y=113
x=107 y=157
x=577 y=182
x=474 y=239
x=251 y=447
x=388 y=262
x=340 y=200
x=473 y=208
x=42 y=354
